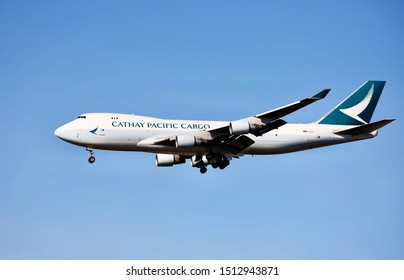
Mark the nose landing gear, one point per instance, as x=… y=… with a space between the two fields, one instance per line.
x=91 y=159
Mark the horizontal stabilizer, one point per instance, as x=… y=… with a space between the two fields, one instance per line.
x=364 y=129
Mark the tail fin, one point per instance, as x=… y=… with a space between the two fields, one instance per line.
x=358 y=108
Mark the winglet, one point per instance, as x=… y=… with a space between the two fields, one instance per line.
x=322 y=94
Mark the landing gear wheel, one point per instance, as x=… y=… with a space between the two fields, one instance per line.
x=224 y=163
x=203 y=169
x=91 y=159
x=215 y=163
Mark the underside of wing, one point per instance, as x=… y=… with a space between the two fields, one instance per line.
x=233 y=144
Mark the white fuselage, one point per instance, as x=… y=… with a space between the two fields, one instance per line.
x=123 y=132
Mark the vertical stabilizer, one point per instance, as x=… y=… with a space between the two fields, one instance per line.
x=358 y=108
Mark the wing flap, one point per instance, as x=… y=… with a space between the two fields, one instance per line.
x=235 y=144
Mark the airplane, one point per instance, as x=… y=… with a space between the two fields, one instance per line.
x=215 y=143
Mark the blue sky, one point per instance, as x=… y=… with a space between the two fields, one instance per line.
x=213 y=60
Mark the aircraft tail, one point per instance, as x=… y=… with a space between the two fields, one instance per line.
x=358 y=108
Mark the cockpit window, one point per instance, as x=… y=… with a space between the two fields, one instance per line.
x=81 y=117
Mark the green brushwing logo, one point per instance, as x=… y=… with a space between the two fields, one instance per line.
x=94 y=131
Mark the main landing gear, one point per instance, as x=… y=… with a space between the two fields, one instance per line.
x=91 y=159
x=216 y=161
x=222 y=163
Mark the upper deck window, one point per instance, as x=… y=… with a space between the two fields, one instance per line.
x=81 y=117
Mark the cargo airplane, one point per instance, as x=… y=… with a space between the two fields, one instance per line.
x=215 y=143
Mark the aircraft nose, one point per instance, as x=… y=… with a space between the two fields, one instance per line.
x=60 y=132
x=67 y=133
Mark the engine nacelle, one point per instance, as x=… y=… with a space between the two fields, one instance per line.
x=238 y=128
x=185 y=141
x=169 y=160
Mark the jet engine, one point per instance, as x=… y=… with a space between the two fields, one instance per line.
x=169 y=160
x=185 y=141
x=238 y=128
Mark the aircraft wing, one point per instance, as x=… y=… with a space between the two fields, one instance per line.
x=267 y=121
x=233 y=136
x=229 y=143
x=288 y=109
